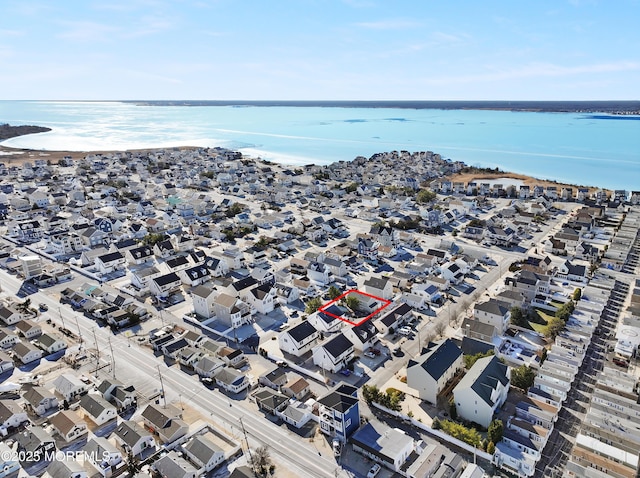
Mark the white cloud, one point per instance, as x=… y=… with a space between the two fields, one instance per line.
x=536 y=70
x=86 y=31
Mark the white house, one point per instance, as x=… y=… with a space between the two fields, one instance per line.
x=436 y=366
x=68 y=425
x=26 y=352
x=232 y=311
x=379 y=287
x=334 y=354
x=203 y=300
x=133 y=438
x=164 y=285
x=261 y=298
x=205 y=454
x=50 y=343
x=482 y=390
x=69 y=386
x=40 y=400
x=102 y=455
x=110 y=262
x=12 y=415
x=298 y=340
x=231 y=380
x=493 y=312
x=98 y=409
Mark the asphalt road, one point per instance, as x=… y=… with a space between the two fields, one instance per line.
x=134 y=361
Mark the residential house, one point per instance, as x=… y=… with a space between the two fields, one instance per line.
x=194 y=276
x=117 y=393
x=379 y=287
x=6 y=362
x=12 y=415
x=68 y=425
x=40 y=400
x=368 y=248
x=69 y=386
x=102 y=455
x=174 y=466
x=482 y=390
x=261 y=298
x=50 y=343
x=166 y=422
x=26 y=352
x=110 y=262
x=7 y=338
x=274 y=379
x=329 y=320
x=133 y=438
x=391 y=447
x=572 y=272
x=28 y=329
x=204 y=301
x=434 y=369
x=139 y=255
x=296 y=387
x=65 y=468
x=232 y=311
x=205 y=454
x=391 y=321
x=363 y=336
x=207 y=366
x=270 y=400
x=164 y=285
x=9 y=464
x=233 y=381
x=339 y=412
x=97 y=409
x=10 y=315
x=36 y=444
x=494 y=313
x=334 y=354
x=298 y=340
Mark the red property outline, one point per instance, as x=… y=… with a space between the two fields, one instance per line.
x=385 y=302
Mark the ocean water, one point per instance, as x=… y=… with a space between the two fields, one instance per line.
x=580 y=148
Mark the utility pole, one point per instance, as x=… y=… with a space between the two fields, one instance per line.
x=61 y=318
x=79 y=331
x=253 y=465
x=113 y=359
x=164 y=397
x=97 y=351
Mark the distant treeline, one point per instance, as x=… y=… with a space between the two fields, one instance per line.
x=7 y=131
x=616 y=107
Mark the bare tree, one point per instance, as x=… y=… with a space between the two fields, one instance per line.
x=440 y=328
x=261 y=460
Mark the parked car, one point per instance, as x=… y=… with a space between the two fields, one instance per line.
x=369 y=354
x=337 y=447
x=375 y=351
x=406 y=331
x=346 y=372
x=43 y=307
x=373 y=471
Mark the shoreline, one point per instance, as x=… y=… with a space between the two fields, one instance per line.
x=18 y=156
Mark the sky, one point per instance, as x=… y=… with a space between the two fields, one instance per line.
x=319 y=50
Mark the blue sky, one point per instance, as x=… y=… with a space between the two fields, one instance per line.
x=320 y=49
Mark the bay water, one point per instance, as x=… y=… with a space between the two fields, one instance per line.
x=578 y=148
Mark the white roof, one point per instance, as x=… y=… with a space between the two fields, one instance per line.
x=607 y=450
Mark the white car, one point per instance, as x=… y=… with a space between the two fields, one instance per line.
x=369 y=354
x=373 y=472
x=404 y=331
